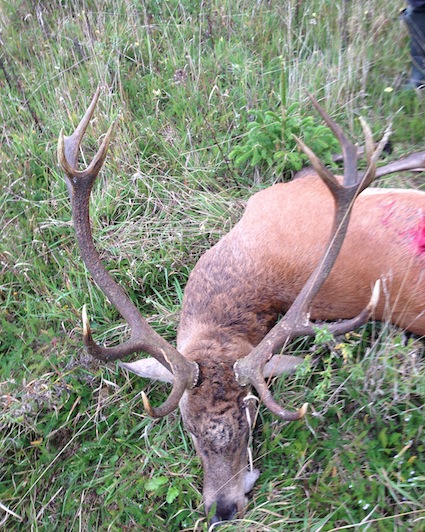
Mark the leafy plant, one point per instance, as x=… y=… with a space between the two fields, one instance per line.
x=270 y=140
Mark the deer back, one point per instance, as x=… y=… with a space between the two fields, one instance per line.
x=286 y=226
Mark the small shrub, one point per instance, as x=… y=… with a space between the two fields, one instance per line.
x=270 y=141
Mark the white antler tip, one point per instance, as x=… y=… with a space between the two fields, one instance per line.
x=375 y=295
x=86 y=324
x=147 y=404
x=61 y=150
x=302 y=411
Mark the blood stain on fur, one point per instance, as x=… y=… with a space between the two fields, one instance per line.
x=419 y=238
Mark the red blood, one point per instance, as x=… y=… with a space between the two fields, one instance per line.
x=420 y=236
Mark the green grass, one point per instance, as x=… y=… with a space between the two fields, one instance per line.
x=182 y=78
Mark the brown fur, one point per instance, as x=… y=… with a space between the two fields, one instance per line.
x=238 y=288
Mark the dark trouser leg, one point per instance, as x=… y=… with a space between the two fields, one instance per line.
x=415 y=21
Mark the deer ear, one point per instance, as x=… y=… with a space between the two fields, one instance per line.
x=149 y=368
x=280 y=364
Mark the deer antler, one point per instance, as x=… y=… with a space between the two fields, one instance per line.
x=415 y=162
x=143 y=337
x=296 y=322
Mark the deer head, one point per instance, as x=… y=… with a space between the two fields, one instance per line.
x=212 y=375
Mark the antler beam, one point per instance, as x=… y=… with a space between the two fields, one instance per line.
x=296 y=322
x=143 y=337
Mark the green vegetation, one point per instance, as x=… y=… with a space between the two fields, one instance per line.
x=185 y=80
x=270 y=141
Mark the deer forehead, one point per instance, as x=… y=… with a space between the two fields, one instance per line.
x=224 y=436
x=216 y=414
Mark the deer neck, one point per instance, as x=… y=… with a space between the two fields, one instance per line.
x=228 y=296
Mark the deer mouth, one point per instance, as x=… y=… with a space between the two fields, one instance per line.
x=225 y=511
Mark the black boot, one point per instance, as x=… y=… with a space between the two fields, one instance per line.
x=415 y=22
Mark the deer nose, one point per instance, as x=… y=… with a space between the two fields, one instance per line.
x=225 y=511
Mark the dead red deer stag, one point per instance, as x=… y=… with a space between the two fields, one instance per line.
x=276 y=260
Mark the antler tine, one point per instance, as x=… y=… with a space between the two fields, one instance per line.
x=372 y=153
x=349 y=151
x=320 y=168
x=249 y=370
x=68 y=146
x=414 y=163
x=74 y=140
x=369 y=144
x=143 y=337
x=296 y=322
